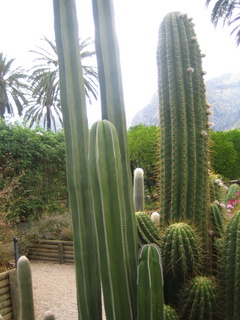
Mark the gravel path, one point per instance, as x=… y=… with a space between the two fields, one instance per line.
x=54 y=289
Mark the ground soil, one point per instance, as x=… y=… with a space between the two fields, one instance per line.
x=54 y=289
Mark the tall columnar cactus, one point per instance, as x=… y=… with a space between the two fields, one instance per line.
x=25 y=288
x=231 y=268
x=112 y=105
x=138 y=189
x=199 y=301
x=112 y=101
x=147 y=230
x=116 y=267
x=76 y=132
x=150 y=284
x=184 y=191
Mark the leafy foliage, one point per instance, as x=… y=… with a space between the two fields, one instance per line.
x=12 y=87
x=32 y=172
x=225 y=153
x=143 y=151
x=45 y=104
x=227 y=11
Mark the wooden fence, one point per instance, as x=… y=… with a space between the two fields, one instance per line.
x=9 y=295
x=52 y=250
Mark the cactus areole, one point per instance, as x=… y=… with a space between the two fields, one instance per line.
x=183 y=116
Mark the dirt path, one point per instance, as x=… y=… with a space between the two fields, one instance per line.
x=54 y=289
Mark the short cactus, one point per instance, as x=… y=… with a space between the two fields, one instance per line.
x=147 y=230
x=199 y=300
x=232 y=190
x=181 y=251
x=150 y=284
x=170 y=313
x=138 y=189
x=49 y=316
x=231 y=268
x=25 y=286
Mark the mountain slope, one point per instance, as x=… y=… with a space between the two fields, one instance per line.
x=223 y=93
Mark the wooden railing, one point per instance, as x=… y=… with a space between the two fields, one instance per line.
x=52 y=250
x=9 y=295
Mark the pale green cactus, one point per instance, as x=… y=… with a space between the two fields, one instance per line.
x=25 y=288
x=150 y=284
x=138 y=189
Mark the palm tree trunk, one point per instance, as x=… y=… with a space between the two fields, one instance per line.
x=48 y=117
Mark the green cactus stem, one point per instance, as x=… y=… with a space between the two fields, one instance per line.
x=76 y=132
x=232 y=190
x=150 y=284
x=147 y=230
x=217 y=189
x=111 y=222
x=218 y=220
x=25 y=288
x=181 y=251
x=138 y=189
x=199 y=300
x=184 y=191
x=112 y=105
x=170 y=313
x=231 y=268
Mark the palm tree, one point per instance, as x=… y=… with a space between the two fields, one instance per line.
x=45 y=105
x=12 y=87
x=227 y=11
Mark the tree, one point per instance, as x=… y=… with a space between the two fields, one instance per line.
x=45 y=104
x=227 y=11
x=12 y=87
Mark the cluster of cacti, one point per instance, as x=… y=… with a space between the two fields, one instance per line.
x=189 y=193
x=101 y=197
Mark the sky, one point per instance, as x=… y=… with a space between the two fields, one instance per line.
x=24 y=23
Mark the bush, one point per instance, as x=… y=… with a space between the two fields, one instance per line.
x=32 y=172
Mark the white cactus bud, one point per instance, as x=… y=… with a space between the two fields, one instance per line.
x=155 y=217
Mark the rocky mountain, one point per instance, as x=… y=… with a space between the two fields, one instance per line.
x=223 y=93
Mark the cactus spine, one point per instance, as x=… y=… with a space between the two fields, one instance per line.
x=76 y=132
x=150 y=284
x=231 y=268
x=138 y=189
x=25 y=288
x=184 y=192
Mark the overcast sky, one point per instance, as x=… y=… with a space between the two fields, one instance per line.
x=23 y=23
